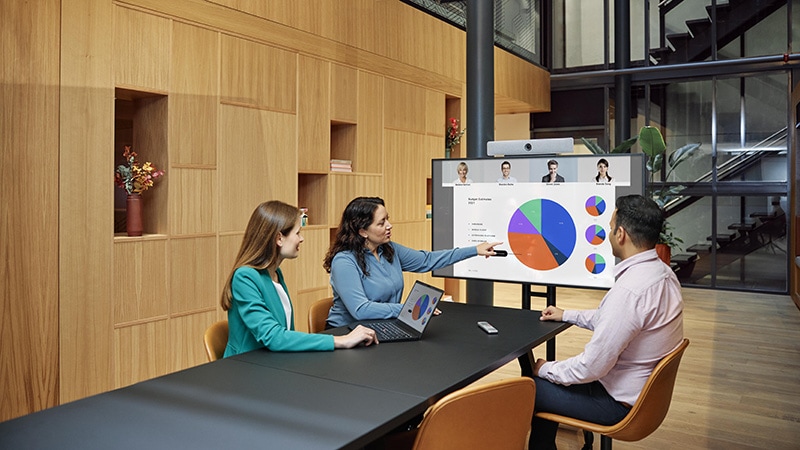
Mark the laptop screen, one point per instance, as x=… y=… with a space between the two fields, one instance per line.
x=419 y=305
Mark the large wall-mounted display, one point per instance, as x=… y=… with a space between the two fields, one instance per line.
x=552 y=214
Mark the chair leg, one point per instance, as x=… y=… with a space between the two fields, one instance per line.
x=605 y=443
x=588 y=440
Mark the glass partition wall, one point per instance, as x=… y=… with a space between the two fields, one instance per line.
x=708 y=72
x=714 y=72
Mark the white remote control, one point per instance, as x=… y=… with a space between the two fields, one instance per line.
x=487 y=327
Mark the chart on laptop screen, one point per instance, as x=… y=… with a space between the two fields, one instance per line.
x=419 y=306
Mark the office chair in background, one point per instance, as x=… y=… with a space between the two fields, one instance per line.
x=215 y=339
x=318 y=314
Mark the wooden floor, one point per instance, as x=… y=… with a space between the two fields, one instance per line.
x=738 y=385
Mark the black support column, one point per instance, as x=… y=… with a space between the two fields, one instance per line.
x=622 y=60
x=480 y=106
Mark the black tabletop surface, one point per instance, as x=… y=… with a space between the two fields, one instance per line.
x=313 y=400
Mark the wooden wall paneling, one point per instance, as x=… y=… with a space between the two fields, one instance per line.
x=150 y=142
x=295 y=38
x=435 y=126
x=257 y=162
x=344 y=141
x=185 y=335
x=369 y=140
x=140 y=280
x=435 y=120
x=194 y=95
x=334 y=20
x=404 y=105
x=141 y=50
x=433 y=148
x=29 y=76
x=85 y=224
x=229 y=244
x=140 y=352
x=193 y=201
x=305 y=272
x=345 y=187
x=312 y=193
x=519 y=86
x=344 y=93
x=453 y=58
x=313 y=115
x=258 y=75
x=406 y=175
x=192 y=274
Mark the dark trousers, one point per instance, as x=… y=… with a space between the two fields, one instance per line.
x=589 y=402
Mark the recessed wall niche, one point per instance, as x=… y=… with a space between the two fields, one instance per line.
x=140 y=120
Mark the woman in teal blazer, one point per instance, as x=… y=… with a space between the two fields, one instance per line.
x=255 y=296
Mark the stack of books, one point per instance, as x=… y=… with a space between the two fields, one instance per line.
x=341 y=165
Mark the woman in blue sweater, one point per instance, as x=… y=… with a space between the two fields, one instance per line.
x=255 y=295
x=367 y=268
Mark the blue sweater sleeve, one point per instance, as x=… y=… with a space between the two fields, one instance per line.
x=425 y=261
x=257 y=318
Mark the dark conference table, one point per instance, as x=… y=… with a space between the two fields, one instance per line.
x=315 y=400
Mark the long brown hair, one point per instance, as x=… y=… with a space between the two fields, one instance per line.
x=358 y=215
x=259 y=248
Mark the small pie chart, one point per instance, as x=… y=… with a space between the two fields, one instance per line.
x=595 y=205
x=595 y=263
x=595 y=235
x=420 y=307
x=541 y=234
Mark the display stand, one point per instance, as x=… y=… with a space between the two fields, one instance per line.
x=550 y=296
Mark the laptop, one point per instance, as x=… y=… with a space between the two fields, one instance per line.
x=413 y=318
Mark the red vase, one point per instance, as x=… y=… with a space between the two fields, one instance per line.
x=134 y=225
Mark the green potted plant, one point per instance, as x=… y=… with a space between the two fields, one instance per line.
x=653 y=145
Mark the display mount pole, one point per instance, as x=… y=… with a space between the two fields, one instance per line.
x=550 y=296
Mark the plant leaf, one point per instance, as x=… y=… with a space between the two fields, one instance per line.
x=625 y=146
x=593 y=147
x=652 y=142
x=682 y=153
x=655 y=162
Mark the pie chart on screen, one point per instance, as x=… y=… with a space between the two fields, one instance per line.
x=420 y=307
x=595 y=263
x=595 y=234
x=541 y=234
x=595 y=205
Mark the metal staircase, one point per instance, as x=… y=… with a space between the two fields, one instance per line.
x=760 y=230
x=731 y=19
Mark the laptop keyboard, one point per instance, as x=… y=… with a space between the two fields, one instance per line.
x=388 y=331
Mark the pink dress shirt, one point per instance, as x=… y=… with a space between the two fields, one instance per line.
x=637 y=323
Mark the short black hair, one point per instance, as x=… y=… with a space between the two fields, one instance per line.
x=641 y=218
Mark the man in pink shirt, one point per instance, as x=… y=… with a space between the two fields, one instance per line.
x=637 y=323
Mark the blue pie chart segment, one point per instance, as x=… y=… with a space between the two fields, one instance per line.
x=420 y=307
x=595 y=263
x=595 y=234
x=595 y=205
x=542 y=234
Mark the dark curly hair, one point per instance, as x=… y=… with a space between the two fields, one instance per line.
x=358 y=215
